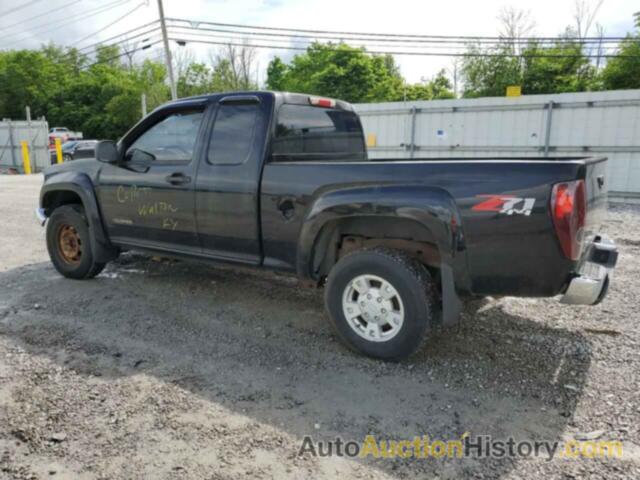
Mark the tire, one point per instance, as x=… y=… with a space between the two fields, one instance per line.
x=67 y=158
x=69 y=243
x=396 y=324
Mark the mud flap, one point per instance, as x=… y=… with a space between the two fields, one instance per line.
x=451 y=303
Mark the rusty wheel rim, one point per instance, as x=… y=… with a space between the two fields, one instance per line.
x=69 y=244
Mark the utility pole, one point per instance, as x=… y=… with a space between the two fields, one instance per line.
x=167 y=52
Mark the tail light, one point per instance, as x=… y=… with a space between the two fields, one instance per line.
x=568 y=209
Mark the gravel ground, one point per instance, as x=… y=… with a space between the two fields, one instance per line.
x=160 y=369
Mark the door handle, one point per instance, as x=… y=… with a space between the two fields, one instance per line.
x=177 y=178
x=287 y=208
x=600 y=181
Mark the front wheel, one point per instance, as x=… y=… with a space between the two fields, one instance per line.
x=69 y=243
x=381 y=302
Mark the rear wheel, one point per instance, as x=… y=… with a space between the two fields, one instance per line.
x=381 y=302
x=69 y=243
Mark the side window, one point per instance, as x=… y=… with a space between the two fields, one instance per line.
x=313 y=133
x=172 y=139
x=233 y=134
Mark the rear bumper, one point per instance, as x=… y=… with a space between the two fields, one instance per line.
x=591 y=283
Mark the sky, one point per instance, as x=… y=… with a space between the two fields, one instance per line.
x=35 y=22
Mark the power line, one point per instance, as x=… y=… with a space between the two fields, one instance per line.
x=147 y=42
x=425 y=54
x=236 y=35
x=462 y=43
x=24 y=5
x=393 y=35
x=126 y=38
x=68 y=21
x=22 y=22
x=451 y=41
x=119 y=19
x=106 y=60
x=61 y=22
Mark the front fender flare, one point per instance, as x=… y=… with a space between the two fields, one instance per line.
x=80 y=184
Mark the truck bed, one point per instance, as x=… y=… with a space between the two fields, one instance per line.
x=506 y=254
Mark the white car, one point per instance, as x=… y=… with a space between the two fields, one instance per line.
x=64 y=134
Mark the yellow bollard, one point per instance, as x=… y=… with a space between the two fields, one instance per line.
x=25 y=157
x=59 y=150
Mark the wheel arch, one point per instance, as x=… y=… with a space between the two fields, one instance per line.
x=58 y=197
x=416 y=219
x=77 y=188
x=341 y=236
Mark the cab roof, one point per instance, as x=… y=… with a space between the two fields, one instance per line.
x=282 y=97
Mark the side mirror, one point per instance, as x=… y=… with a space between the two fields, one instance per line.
x=107 y=151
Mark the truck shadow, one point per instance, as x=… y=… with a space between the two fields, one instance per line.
x=259 y=346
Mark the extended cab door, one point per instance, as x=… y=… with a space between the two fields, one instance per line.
x=148 y=199
x=228 y=180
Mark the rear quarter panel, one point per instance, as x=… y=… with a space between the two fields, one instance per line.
x=507 y=254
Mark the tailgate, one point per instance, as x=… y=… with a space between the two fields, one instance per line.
x=596 y=189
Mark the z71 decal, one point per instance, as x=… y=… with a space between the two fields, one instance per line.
x=507 y=204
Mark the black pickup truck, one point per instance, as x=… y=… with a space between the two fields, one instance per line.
x=282 y=181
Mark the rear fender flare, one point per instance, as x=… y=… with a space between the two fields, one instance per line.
x=432 y=208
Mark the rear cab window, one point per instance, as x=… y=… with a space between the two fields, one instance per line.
x=307 y=133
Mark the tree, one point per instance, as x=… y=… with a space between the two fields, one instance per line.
x=182 y=58
x=437 y=88
x=623 y=71
x=108 y=55
x=340 y=71
x=195 y=79
x=556 y=69
x=101 y=98
x=490 y=76
x=441 y=86
x=234 y=68
x=28 y=78
x=276 y=74
x=515 y=24
x=563 y=66
x=584 y=14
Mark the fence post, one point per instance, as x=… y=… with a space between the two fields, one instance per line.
x=58 y=150
x=412 y=147
x=547 y=133
x=12 y=144
x=25 y=157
